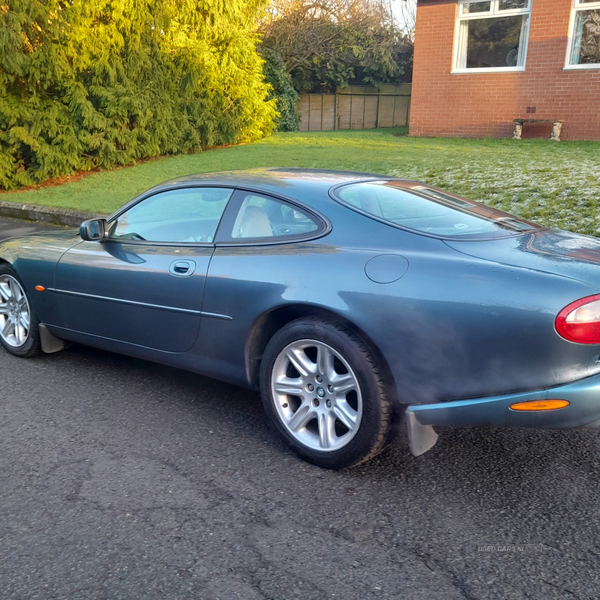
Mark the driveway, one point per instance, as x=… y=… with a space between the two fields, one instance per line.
x=14 y=227
x=120 y=478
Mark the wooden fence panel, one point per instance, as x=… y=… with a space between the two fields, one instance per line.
x=401 y=110
x=328 y=118
x=386 y=111
x=355 y=107
x=371 y=112
x=344 y=110
x=303 y=109
x=357 y=116
x=315 y=112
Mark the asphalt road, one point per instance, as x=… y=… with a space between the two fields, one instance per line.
x=123 y=479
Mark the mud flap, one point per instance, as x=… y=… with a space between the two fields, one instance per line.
x=51 y=343
x=420 y=437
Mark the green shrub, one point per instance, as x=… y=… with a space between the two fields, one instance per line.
x=283 y=90
x=100 y=83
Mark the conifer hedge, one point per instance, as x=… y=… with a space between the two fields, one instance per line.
x=282 y=90
x=100 y=83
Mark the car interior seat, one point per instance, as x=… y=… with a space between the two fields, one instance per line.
x=253 y=223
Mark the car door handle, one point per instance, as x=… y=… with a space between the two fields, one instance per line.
x=182 y=268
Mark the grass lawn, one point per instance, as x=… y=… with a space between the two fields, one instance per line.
x=554 y=184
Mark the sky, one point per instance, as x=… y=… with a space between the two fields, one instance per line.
x=397 y=7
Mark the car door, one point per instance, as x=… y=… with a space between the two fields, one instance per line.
x=144 y=284
x=264 y=244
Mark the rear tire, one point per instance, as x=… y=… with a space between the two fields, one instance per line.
x=325 y=394
x=19 y=326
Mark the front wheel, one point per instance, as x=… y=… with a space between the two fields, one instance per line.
x=325 y=394
x=19 y=333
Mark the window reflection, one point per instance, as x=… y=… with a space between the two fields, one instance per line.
x=493 y=42
x=492 y=35
x=189 y=215
x=512 y=4
x=428 y=210
x=586 y=44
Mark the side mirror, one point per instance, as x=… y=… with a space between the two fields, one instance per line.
x=94 y=230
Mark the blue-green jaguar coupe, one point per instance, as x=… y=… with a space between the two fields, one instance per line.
x=353 y=302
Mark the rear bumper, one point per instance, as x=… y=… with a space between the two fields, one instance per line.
x=583 y=410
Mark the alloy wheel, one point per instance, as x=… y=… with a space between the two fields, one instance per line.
x=317 y=395
x=15 y=314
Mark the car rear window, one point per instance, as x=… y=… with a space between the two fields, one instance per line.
x=427 y=210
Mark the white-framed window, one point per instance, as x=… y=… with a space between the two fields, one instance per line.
x=584 y=42
x=492 y=35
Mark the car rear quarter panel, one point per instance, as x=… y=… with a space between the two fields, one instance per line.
x=452 y=327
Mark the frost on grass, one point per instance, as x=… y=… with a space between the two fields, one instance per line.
x=563 y=193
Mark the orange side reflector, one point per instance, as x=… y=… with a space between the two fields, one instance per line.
x=540 y=405
x=40 y=288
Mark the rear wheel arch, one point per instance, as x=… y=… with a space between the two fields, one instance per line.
x=265 y=327
x=326 y=393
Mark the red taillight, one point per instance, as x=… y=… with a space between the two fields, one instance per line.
x=580 y=321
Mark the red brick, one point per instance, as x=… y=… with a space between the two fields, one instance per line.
x=476 y=104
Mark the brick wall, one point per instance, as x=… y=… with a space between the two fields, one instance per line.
x=485 y=104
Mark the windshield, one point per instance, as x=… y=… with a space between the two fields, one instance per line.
x=418 y=207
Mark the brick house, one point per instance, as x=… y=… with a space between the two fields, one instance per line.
x=480 y=64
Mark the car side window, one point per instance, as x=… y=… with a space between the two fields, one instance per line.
x=189 y=215
x=262 y=217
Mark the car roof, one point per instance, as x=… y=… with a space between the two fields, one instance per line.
x=292 y=182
